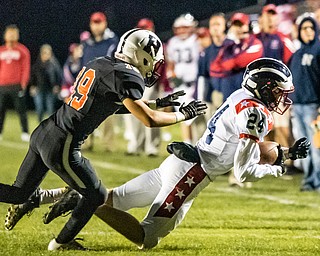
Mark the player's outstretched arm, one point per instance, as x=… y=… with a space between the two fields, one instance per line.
x=154 y=118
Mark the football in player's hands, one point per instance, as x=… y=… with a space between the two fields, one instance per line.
x=268 y=152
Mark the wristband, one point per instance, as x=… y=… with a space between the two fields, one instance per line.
x=179 y=117
x=152 y=104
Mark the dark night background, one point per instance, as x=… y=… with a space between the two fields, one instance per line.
x=59 y=22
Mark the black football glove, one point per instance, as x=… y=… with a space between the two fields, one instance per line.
x=169 y=100
x=299 y=149
x=193 y=109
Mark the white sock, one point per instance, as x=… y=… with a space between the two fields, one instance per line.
x=48 y=196
x=53 y=245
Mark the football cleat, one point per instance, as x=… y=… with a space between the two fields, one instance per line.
x=72 y=245
x=63 y=206
x=16 y=212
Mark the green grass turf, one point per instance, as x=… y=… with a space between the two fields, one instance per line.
x=271 y=218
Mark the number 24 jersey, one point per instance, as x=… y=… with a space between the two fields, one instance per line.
x=240 y=116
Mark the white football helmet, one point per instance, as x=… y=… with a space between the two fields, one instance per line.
x=185 y=20
x=269 y=81
x=142 y=49
x=184 y=26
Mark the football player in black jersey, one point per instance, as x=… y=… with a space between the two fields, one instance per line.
x=105 y=86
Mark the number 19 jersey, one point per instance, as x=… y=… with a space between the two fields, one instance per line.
x=99 y=90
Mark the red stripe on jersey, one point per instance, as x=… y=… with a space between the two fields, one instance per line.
x=243 y=135
x=249 y=103
x=181 y=191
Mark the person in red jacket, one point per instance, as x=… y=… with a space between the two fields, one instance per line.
x=228 y=67
x=14 y=77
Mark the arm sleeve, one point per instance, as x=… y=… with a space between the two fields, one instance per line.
x=133 y=91
x=246 y=159
x=132 y=87
x=253 y=51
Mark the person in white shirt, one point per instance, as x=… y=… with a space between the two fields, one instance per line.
x=182 y=55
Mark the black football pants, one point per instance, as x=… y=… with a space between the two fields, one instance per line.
x=52 y=148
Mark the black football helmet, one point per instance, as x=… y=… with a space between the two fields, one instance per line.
x=269 y=81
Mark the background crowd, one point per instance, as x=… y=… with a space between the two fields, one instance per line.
x=207 y=61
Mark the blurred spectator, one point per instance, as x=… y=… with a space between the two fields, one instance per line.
x=70 y=69
x=317 y=16
x=141 y=138
x=206 y=88
x=287 y=14
x=275 y=44
x=102 y=42
x=305 y=68
x=45 y=82
x=294 y=36
x=278 y=46
x=182 y=55
x=85 y=35
x=14 y=77
x=147 y=24
x=204 y=38
x=228 y=67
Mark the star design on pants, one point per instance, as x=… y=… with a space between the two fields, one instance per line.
x=190 y=181
x=180 y=193
x=169 y=206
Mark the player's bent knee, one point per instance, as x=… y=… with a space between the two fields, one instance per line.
x=98 y=196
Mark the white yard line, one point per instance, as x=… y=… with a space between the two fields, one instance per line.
x=267 y=197
x=116 y=167
x=97 y=163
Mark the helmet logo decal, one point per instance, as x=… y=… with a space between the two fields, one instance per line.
x=152 y=46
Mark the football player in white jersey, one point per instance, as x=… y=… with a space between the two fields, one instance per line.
x=182 y=55
x=230 y=140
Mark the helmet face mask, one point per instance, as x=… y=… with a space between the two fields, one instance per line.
x=269 y=81
x=153 y=77
x=142 y=49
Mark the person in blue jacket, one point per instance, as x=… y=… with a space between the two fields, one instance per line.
x=305 y=68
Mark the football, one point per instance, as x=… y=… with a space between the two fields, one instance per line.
x=268 y=152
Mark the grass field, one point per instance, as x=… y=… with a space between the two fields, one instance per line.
x=271 y=218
